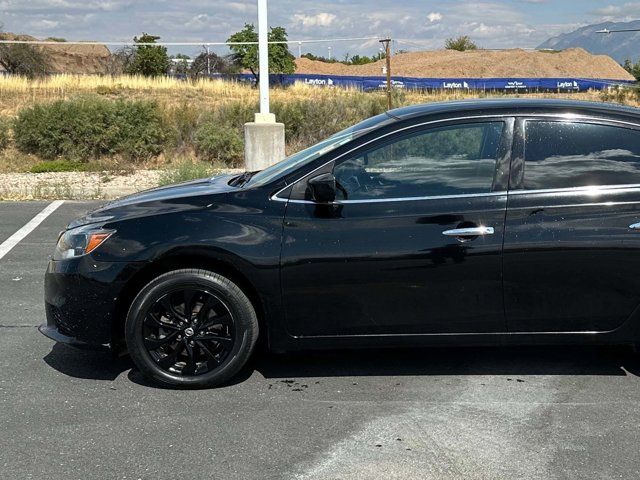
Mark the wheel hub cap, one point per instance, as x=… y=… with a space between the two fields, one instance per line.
x=189 y=332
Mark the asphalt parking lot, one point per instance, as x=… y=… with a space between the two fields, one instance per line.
x=429 y=414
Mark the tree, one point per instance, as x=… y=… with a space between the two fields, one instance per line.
x=147 y=60
x=246 y=56
x=348 y=60
x=205 y=63
x=633 y=69
x=180 y=63
x=23 y=59
x=320 y=58
x=461 y=44
x=120 y=60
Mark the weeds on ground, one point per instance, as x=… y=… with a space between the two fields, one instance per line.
x=185 y=170
x=58 y=166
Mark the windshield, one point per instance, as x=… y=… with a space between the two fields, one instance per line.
x=303 y=157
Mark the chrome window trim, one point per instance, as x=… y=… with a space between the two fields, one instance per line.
x=396 y=199
x=525 y=116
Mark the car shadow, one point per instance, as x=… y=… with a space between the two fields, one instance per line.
x=87 y=364
x=459 y=361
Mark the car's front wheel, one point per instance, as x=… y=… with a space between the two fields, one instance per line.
x=191 y=328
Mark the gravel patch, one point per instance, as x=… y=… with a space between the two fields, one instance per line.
x=75 y=185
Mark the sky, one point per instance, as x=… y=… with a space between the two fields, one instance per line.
x=417 y=24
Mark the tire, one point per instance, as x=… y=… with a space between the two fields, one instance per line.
x=191 y=329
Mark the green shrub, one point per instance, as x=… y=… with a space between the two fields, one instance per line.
x=57 y=166
x=183 y=121
x=215 y=141
x=4 y=134
x=89 y=127
x=310 y=121
x=236 y=113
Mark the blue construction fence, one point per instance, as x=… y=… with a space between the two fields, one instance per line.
x=412 y=83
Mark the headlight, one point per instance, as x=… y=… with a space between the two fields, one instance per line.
x=80 y=241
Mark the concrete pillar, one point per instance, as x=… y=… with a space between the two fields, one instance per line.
x=263 y=142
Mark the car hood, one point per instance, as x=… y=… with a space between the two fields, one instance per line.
x=191 y=195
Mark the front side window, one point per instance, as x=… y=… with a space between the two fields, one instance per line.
x=308 y=155
x=574 y=154
x=451 y=160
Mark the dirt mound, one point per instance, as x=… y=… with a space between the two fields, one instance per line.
x=574 y=63
x=72 y=59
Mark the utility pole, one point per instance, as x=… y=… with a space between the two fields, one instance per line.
x=208 y=62
x=387 y=47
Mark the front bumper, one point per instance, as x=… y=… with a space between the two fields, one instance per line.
x=81 y=300
x=51 y=331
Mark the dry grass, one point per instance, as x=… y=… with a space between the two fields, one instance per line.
x=18 y=92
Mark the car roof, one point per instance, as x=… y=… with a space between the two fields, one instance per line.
x=513 y=106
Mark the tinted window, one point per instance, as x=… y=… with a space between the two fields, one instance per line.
x=452 y=160
x=571 y=154
x=303 y=157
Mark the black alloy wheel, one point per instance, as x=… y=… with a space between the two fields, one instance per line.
x=189 y=331
x=191 y=328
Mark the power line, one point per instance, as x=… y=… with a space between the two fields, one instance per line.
x=180 y=44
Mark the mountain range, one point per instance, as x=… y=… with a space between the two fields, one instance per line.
x=619 y=46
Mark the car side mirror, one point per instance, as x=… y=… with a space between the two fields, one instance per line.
x=323 y=188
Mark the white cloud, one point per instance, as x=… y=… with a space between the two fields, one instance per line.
x=44 y=24
x=434 y=17
x=319 y=20
x=241 y=7
x=54 y=6
x=199 y=21
x=625 y=12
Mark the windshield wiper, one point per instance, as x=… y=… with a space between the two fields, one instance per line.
x=241 y=179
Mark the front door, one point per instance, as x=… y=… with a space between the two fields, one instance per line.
x=571 y=258
x=413 y=245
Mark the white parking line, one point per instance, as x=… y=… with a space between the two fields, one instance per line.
x=13 y=240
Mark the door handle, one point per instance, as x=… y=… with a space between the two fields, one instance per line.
x=470 y=232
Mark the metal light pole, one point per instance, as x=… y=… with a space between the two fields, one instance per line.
x=263 y=47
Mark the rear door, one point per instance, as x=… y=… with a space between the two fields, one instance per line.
x=572 y=243
x=394 y=254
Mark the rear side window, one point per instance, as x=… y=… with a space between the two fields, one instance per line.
x=574 y=154
x=451 y=160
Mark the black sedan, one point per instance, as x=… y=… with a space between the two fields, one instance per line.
x=486 y=222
